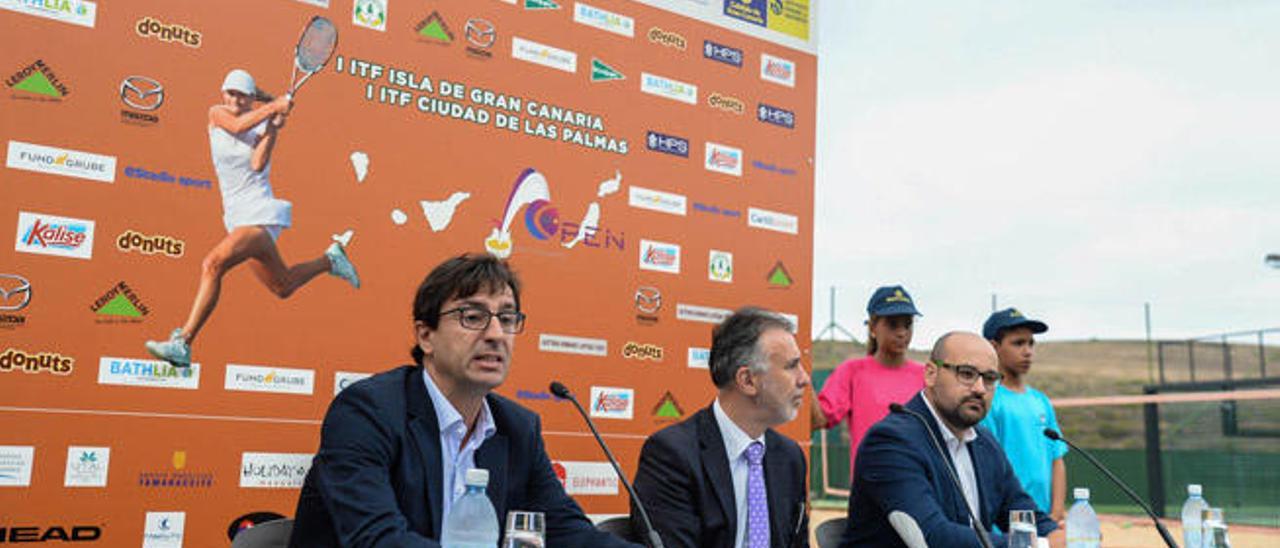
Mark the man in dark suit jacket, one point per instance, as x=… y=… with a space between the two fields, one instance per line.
x=899 y=471
x=705 y=481
x=395 y=447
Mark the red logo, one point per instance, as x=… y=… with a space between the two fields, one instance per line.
x=54 y=235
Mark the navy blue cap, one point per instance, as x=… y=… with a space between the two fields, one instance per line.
x=891 y=300
x=1010 y=317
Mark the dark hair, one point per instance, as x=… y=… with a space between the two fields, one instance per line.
x=734 y=343
x=459 y=278
x=872 y=345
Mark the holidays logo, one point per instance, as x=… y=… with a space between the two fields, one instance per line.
x=542 y=54
x=280 y=380
x=777 y=116
x=434 y=30
x=612 y=403
x=720 y=266
x=657 y=200
x=586 y=478
x=648 y=302
x=778 y=277
x=668 y=88
x=164 y=177
x=120 y=304
x=87 y=466
x=274 y=470
x=667 y=38
x=565 y=344
x=719 y=52
x=777 y=70
x=164 y=530
x=61 y=161
x=699 y=358
x=642 y=351
x=542 y=220
x=51 y=235
x=659 y=256
x=604 y=20
x=727 y=103
x=772 y=220
x=15 y=295
x=150 y=245
x=343 y=379
x=600 y=72
x=152 y=373
x=37 y=82
x=75 y=12
x=667 y=144
x=176 y=478
x=15 y=465
x=35 y=362
x=140 y=93
x=148 y=27
x=370 y=14
x=480 y=34
x=706 y=314
x=667 y=409
x=723 y=159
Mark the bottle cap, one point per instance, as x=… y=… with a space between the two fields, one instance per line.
x=478 y=477
x=1193 y=489
x=1081 y=493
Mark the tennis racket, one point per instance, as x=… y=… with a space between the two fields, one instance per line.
x=315 y=48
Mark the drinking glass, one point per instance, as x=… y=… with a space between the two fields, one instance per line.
x=1022 y=529
x=525 y=530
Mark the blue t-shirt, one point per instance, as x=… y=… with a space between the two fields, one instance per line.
x=1018 y=421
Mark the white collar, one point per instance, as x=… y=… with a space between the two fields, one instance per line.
x=447 y=416
x=970 y=433
x=735 y=439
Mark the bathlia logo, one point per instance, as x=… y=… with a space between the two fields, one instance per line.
x=600 y=72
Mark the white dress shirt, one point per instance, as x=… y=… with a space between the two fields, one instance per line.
x=735 y=448
x=455 y=458
x=959 y=450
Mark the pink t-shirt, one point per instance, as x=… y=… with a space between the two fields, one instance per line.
x=862 y=389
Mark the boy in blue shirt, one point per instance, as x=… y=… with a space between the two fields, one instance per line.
x=1019 y=413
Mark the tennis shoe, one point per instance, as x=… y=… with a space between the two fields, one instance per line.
x=340 y=265
x=175 y=350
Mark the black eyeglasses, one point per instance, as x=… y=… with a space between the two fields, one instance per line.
x=968 y=374
x=477 y=318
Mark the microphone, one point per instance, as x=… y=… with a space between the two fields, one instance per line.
x=1164 y=533
x=562 y=392
x=974 y=523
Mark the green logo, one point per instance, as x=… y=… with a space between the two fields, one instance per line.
x=601 y=72
x=778 y=276
x=433 y=28
x=37 y=78
x=667 y=408
x=120 y=301
x=541 y=5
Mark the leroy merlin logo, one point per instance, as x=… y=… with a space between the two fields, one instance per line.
x=778 y=277
x=37 y=81
x=434 y=29
x=601 y=72
x=667 y=408
x=120 y=304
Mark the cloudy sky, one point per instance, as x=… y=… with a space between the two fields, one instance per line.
x=1075 y=158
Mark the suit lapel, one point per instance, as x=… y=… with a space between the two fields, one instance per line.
x=425 y=431
x=715 y=464
x=958 y=511
x=777 y=483
x=492 y=456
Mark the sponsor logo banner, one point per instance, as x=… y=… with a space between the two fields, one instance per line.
x=600 y=72
x=778 y=277
x=777 y=70
x=604 y=20
x=121 y=304
x=274 y=470
x=541 y=54
x=667 y=38
x=772 y=220
x=699 y=358
x=720 y=266
x=723 y=159
x=726 y=103
x=76 y=12
x=612 y=403
x=775 y=115
x=164 y=530
x=279 y=380
x=87 y=466
x=659 y=256
x=52 y=235
x=169 y=246
x=15 y=465
x=586 y=478
x=370 y=14
x=14 y=359
x=773 y=168
x=667 y=144
x=789 y=17
x=144 y=174
x=538 y=4
x=648 y=302
x=150 y=27
x=481 y=35
x=433 y=29
x=75 y=533
x=15 y=292
x=141 y=92
x=565 y=344
x=642 y=351
x=657 y=200
x=343 y=379
x=719 y=52
x=523 y=394
x=61 y=161
x=38 y=82
x=668 y=409
x=695 y=313
x=152 y=373
x=668 y=88
x=320 y=4
x=178 y=477
x=712 y=209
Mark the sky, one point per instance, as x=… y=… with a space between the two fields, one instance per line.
x=1075 y=159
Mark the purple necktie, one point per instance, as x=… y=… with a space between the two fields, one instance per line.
x=757 y=504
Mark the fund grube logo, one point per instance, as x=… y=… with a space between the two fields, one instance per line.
x=39 y=533
x=667 y=38
x=776 y=115
x=152 y=244
x=667 y=144
x=76 y=12
x=604 y=20
x=612 y=403
x=657 y=200
x=668 y=88
x=274 y=470
x=586 y=478
x=542 y=220
x=150 y=27
x=565 y=344
x=720 y=266
x=667 y=409
x=142 y=95
x=721 y=53
x=542 y=54
x=61 y=161
x=777 y=70
x=148 y=175
x=37 y=81
x=772 y=220
x=699 y=358
x=648 y=301
x=726 y=103
x=778 y=277
x=164 y=529
x=723 y=159
x=176 y=477
x=480 y=35
x=280 y=380
x=434 y=30
x=659 y=256
x=370 y=14
x=15 y=465
x=642 y=351
x=120 y=304
x=87 y=466
x=150 y=373
x=17 y=359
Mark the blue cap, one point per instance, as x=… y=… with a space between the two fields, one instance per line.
x=891 y=300
x=1007 y=318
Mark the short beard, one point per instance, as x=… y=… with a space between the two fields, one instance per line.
x=955 y=418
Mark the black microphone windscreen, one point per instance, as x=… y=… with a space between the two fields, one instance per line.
x=1051 y=434
x=559 y=390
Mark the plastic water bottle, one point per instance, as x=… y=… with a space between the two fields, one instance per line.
x=1083 y=529
x=1191 y=512
x=472 y=522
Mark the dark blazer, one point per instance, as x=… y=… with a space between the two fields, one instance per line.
x=376 y=480
x=899 y=469
x=685 y=485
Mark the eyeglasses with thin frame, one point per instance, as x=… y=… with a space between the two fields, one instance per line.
x=477 y=318
x=968 y=374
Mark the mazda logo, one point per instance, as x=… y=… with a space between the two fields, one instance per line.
x=15 y=292
x=481 y=33
x=141 y=93
x=648 y=300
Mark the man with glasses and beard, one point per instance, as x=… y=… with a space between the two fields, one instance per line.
x=395 y=448
x=901 y=480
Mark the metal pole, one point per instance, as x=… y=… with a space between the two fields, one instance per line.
x=1226 y=358
x=1146 y=309
x=1262 y=356
x=993 y=303
x=1191 y=358
x=1160 y=358
x=1155 y=468
x=833 y=312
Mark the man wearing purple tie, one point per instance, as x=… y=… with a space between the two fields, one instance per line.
x=723 y=477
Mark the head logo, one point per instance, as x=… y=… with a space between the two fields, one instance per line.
x=52 y=362
x=149 y=27
x=723 y=159
x=600 y=72
x=121 y=303
x=77 y=533
x=778 y=277
x=370 y=14
x=720 y=266
x=481 y=35
x=667 y=38
x=668 y=409
x=15 y=292
x=433 y=29
x=38 y=81
x=659 y=256
x=777 y=70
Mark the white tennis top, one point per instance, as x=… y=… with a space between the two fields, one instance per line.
x=246 y=194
